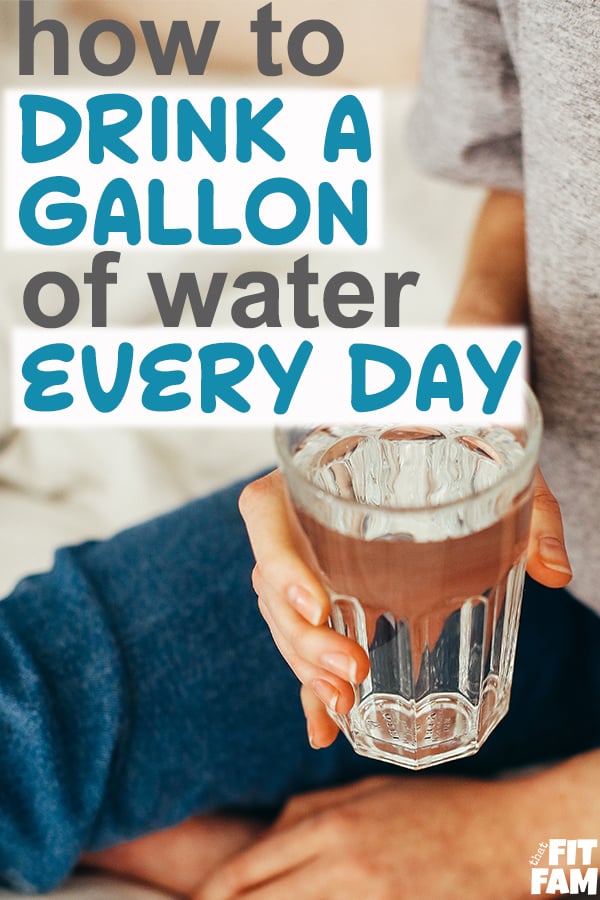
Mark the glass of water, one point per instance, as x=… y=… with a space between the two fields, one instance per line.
x=421 y=536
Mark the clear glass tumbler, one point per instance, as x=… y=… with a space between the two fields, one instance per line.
x=421 y=535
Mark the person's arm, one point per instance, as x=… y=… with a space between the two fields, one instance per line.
x=493 y=290
x=181 y=858
x=103 y=715
x=420 y=837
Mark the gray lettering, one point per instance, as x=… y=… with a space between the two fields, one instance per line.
x=31 y=300
x=333 y=299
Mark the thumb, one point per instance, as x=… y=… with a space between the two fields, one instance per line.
x=547 y=559
x=283 y=554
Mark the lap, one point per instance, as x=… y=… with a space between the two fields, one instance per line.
x=255 y=732
x=140 y=686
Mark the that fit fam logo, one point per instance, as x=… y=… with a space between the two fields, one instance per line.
x=563 y=866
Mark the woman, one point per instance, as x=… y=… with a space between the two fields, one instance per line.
x=192 y=710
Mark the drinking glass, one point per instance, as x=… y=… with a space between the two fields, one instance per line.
x=421 y=536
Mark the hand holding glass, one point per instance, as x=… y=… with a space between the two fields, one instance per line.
x=421 y=535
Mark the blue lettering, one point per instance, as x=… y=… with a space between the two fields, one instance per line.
x=495 y=381
x=190 y=124
x=220 y=385
x=74 y=212
x=158 y=380
x=450 y=389
x=106 y=401
x=275 y=237
x=359 y=139
x=250 y=130
x=160 y=130
x=157 y=232
x=286 y=380
x=360 y=354
x=207 y=233
x=117 y=191
x=354 y=220
x=33 y=152
x=108 y=137
x=40 y=381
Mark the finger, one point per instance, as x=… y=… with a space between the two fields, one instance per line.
x=322 y=730
x=298 y=884
x=321 y=647
x=180 y=857
x=334 y=692
x=269 y=858
x=304 y=805
x=547 y=559
x=281 y=548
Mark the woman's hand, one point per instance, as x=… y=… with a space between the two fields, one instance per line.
x=180 y=858
x=296 y=607
x=392 y=837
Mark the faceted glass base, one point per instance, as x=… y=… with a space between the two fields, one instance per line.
x=418 y=735
x=438 y=683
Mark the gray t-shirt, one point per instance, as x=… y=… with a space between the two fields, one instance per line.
x=510 y=98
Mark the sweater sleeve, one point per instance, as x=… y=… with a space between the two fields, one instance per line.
x=466 y=124
x=102 y=674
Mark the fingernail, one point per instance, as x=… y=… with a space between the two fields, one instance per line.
x=311 y=739
x=304 y=603
x=326 y=692
x=341 y=665
x=554 y=555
